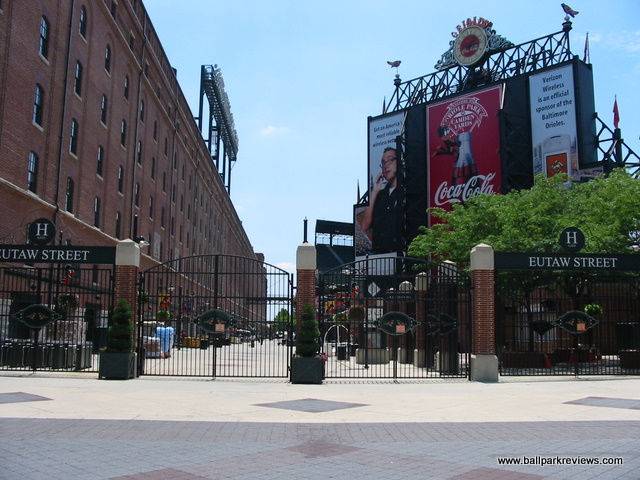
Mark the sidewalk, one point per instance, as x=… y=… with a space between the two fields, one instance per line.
x=70 y=426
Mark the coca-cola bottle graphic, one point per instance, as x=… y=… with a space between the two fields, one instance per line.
x=464 y=168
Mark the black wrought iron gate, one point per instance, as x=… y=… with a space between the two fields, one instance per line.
x=392 y=317
x=215 y=316
x=81 y=299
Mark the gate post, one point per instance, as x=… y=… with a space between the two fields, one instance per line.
x=126 y=273
x=306 y=282
x=484 y=362
x=420 y=353
x=126 y=286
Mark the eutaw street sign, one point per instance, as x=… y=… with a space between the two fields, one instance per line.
x=61 y=254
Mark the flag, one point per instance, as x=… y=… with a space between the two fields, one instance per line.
x=616 y=114
x=358 y=192
x=585 y=57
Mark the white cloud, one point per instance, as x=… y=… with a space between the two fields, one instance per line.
x=623 y=40
x=270 y=131
x=286 y=266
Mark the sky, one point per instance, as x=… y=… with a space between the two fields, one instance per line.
x=302 y=76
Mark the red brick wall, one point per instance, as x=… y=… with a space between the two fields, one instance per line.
x=306 y=293
x=125 y=284
x=201 y=208
x=483 y=329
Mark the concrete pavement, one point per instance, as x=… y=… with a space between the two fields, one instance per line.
x=73 y=425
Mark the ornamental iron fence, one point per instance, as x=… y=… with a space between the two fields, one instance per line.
x=55 y=317
x=567 y=323
x=395 y=318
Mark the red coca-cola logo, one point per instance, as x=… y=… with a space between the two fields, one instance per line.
x=469 y=45
x=462 y=192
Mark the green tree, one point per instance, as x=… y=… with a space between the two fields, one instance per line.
x=282 y=321
x=606 y=209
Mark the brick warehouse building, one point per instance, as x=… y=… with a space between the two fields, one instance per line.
x=96 y=135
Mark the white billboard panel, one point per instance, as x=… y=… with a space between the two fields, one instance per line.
x=553 y=121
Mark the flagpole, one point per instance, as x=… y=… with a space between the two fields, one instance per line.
x=617 y=134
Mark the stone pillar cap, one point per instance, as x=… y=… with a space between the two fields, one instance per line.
x=482 y=257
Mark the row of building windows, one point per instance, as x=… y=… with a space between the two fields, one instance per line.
x=79 y=80
x=32 y=182
x=38 y=114
x=45 y=32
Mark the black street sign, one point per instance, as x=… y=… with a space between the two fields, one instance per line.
x=551 y=261
x=62 y=254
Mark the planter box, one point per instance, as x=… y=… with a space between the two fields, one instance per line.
x=523 y=360
x=117 y=365
x=629 y=359
x=373 y=356
x=307 y=370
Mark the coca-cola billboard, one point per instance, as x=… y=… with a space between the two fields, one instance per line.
x=463 y=142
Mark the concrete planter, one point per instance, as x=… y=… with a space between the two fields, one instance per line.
x=117 y=365
x=373 y=356
x=307 y=370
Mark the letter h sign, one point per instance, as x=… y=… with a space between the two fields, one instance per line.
x=572 y=239
x=41 y=231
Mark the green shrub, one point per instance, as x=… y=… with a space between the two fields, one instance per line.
x=307 y=344
x=121 y=329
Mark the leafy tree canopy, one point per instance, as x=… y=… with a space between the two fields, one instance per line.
x=606 y=209
x=282 y=321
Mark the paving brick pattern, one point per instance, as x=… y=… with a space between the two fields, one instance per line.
x=76 y=427
x=158 y=450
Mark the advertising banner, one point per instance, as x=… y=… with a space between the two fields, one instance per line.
x=553 y=122
x=463 y=144
x=379 y=225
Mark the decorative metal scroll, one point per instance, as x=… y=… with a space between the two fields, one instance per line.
x=215 y=321
x=395 y=323
x=576 y=322
x=37 y=316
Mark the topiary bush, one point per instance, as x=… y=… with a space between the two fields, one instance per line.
x=121 y=329
x=307 y=344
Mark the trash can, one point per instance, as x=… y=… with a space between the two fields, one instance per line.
x=341 y=351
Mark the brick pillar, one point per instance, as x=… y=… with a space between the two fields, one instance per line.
x=306 y=282
x=420 y=352
x=484 y=362
x=126 y=274
x=126 y=286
